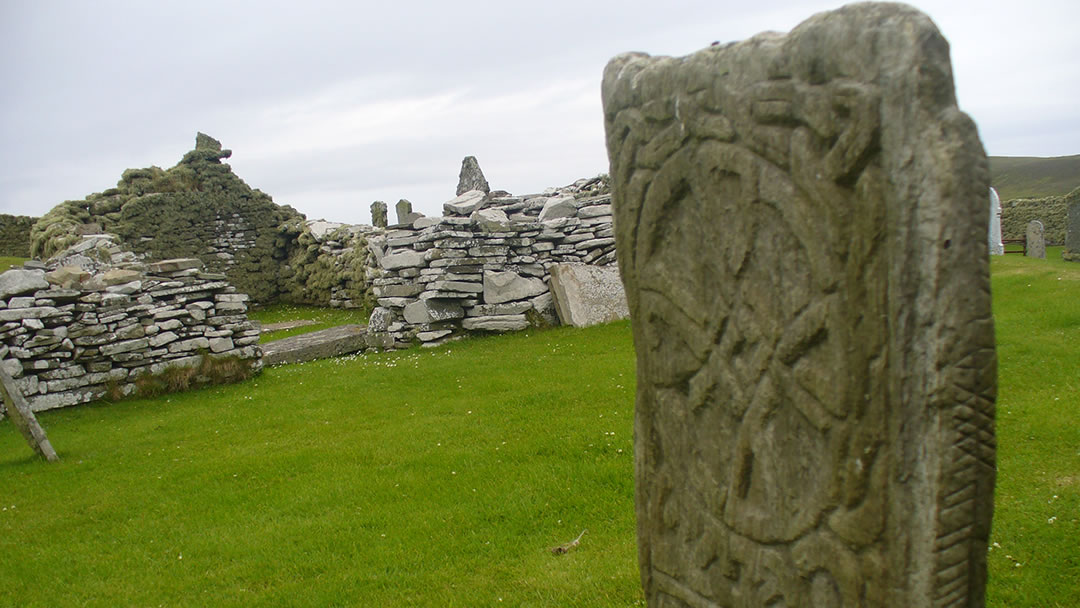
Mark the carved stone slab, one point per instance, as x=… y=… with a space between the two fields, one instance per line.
x=801 y=228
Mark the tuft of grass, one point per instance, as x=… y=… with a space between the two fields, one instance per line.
x=209 y=371
x=323 y=317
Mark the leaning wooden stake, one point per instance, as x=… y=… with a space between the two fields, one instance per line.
x=20 y=413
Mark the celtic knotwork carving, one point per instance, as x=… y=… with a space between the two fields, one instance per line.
x=815 y=413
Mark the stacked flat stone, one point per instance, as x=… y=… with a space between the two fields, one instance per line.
x=67 y=335
x=485 y=265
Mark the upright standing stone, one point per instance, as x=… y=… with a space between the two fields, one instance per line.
x=471 y=177
x=801 y=222
x=1036 y=242
x=378 y=214
x=994 y=235
x=404 y=209
x=405 y=214
x=1071 y=253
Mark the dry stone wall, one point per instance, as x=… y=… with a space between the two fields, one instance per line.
x=15 y=235
x=1052 y=211
x=485 y=265
x=329 y=264
x=71 y=335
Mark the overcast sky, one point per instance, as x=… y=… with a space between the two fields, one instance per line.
x=329 y=106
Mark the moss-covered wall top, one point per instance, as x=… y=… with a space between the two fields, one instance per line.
x=15 y=235
x=198 y=208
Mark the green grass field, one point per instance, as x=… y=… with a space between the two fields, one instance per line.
x=444 y=477
x=1035 y=560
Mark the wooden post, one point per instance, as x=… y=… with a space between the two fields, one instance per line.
x=20 y=413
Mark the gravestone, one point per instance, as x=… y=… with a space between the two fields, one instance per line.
x=378 y=214
x=1071 y=252
x=471 y=177
x=994 y=234
x=1036 y=242
x=801 y=225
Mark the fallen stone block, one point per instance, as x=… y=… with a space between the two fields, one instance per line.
x=333 y=342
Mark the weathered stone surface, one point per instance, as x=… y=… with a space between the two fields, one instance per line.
x=378 y=214
x=1071 y=252
x=405 y=213
x=489 y=310
x=801 y=223
x=594 y=211
x=588 y=295
x=499 y=323
x=380 y=319
x=174 y=265
x=424 y=222
x=471 y=177
x=558 y=207
x=322 y=229
x=431 y=311
x=491 y=220
x=397 y=291
x=67 y=277
x=506 y=286
x=119 y=276
x=1036 y=243
x=19 y=281
x=333 y=342
x=465 y=203
x=125 y=288
x=402 y=259
x=20 y=314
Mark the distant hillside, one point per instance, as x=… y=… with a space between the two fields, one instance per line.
x=1031 y=177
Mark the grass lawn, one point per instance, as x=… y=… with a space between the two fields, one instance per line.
x=8 y=262
x=1035 y=560
x=443 y=477
x=428 y=477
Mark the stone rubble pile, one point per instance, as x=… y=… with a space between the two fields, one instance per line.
x=485 y=265
x=70 y=335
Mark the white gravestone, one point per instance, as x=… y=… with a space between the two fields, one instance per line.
x=996 y=246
